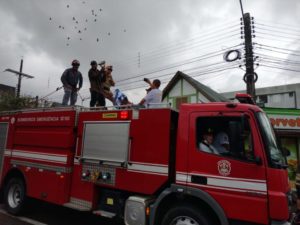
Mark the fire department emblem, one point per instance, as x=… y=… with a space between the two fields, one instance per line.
x=224 y=167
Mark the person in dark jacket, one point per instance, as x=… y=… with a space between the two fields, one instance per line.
x=96 y=89
x=72 y=82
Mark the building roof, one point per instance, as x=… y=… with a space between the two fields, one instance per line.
x=7 y=89
x=207 y=92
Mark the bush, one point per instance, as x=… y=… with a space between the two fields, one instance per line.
x=9 y=102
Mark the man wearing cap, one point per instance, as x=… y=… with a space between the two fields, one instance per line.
x=70 y=79
x=207 y=140
x=221 y=142
x=96 y=78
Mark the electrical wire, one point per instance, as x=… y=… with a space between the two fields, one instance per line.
x=277 y=35
x=272 y=39
x=276 y=31
x=207 y=66
x=285 y=49
x=176 y=45
x=190 y=48
x=281 y=52
x=192 y=60
x=280 y=68
x=278 y=25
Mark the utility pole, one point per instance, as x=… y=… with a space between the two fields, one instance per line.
x=20 y=76
x=250 y=77
x=19 y=79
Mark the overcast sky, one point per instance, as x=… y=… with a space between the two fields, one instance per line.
x=143 y=38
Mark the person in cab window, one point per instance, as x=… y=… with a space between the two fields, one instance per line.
x=206 y=142
x=221 y=143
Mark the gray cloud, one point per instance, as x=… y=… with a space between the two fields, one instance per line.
x=134 y=26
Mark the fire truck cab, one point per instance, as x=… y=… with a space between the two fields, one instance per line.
x=147 y=166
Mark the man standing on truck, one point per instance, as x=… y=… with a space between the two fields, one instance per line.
x=96 y=89
x=153 y=96
x=70 y=79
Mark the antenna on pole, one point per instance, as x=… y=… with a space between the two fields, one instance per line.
x=242 y=9
x=21 y=75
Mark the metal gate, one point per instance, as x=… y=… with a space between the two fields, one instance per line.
x=3 y=136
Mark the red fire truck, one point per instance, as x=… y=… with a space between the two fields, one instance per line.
x=147 y=166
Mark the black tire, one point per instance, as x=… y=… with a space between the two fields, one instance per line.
x=14 y=196
x=184 y=215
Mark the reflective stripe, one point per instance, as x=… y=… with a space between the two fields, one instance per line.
x=42 y=166
x=226 y=183
x=154 y=168
x=237 y=184
x=40 y=156
x=181 y=177
x=7 y=152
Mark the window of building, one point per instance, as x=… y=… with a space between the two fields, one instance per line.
x=263 y=98
x=282 y=100
x=226 y=136
x=180 y=100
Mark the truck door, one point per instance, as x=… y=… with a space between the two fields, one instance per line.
x=3 y=137
x=229 y=166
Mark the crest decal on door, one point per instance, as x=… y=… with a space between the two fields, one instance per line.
x=224 y=167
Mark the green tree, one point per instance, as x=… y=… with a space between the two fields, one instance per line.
x=9 y=102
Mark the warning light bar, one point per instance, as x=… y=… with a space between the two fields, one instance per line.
x=124 y=115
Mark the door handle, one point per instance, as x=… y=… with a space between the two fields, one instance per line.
x=199 y=179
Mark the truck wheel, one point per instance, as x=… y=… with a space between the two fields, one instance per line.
x=184 y=215
x=14 y=196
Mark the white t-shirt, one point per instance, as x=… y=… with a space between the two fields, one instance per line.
x=154 y=96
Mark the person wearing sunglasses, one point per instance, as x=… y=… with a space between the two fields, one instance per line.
x=72 y=82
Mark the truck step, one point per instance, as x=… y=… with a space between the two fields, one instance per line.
x=104 y=213
x=76 y=206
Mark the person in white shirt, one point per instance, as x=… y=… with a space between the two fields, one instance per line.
x=206 y=142
x=153 y=96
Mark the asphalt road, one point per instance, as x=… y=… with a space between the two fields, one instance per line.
x=41 y=213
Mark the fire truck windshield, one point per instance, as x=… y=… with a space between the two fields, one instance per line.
x=268 y=134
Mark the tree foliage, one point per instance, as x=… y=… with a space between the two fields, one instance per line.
x=9 y=102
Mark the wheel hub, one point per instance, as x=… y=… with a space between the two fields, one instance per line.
x=184 y=220
x=14 y=196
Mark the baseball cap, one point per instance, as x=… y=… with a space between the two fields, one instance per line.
x=93 y=62
x=75 y=62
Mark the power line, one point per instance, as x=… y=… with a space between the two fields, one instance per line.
x=191 y=47
x=189 y=69
x=196 y=75
x=276 y=31
x=181 y=49
x=286 y=49
x=176 y=43
x=195 y=59
x=272 y=50
x=273 y=39
x=280 y=68
x=277 y=35
x=278 y=25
